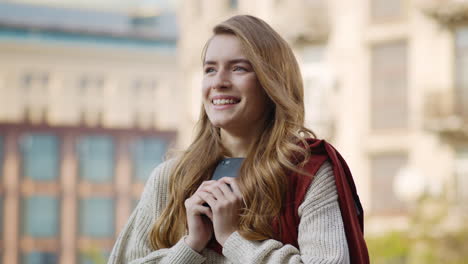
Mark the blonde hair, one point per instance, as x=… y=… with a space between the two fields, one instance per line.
x=278 y=150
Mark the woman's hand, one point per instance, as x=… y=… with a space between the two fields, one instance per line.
x=200 y=229
x=225 y=203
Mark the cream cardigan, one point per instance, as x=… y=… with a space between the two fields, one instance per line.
x=321 y=235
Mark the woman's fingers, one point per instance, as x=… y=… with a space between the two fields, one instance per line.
x=233 y=184
x=227 y=191
x=205 y=184
x=196 y=199
x=194 y=206
x=208 y=198
x=215 y=190
x=203 y=210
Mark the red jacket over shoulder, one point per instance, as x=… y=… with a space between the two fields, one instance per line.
x=350 y=205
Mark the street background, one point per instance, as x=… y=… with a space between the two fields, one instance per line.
x=95 y=94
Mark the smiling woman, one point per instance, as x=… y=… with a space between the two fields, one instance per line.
x=293 y=200
x=232 y=95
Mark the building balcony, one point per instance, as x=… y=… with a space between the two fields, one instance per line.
x=446 y=115
x=304 y=21
x=446 y=11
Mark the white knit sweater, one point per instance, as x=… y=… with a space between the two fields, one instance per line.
x=321 y=235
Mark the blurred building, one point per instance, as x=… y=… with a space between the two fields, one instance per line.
x=385 y=81
x=89 y=104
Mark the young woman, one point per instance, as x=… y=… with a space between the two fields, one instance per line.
x=293 y=201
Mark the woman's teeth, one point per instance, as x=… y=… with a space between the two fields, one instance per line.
x=224 y=101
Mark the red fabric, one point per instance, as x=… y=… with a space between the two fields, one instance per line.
x=287 y=226
x=348 y=200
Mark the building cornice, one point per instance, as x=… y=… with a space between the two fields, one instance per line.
x=447 y=12
x=305 y=23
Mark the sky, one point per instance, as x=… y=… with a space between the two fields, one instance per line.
x=110 y=5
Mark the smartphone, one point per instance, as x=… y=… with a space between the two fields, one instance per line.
x=228 y=167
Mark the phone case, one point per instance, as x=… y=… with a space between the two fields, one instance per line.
x=227 y=168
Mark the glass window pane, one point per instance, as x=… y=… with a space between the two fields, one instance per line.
x=39 y=258
x=93 y=256
x=386 y=9
x=389 y=93
x=1 y=155
x=147 y=154
x=97 y=217
x=1 y=217
x=40 y=153
x=384 y=169
x=233 y=4
x=461 y=174
x=461 y=63
x=40 y=216
x=317 y=89
x=96 y=158
x=313 y=54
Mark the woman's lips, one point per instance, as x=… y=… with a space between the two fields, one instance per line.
x=224 y=101
x=223 y=104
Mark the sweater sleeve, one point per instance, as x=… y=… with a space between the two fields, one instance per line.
x=133 y=244
x=321 y=235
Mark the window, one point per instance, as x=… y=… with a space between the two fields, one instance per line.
x=386 y=9
x=313 y=54
x=317 y=90
x=389 y=99
x=461 y=65
x=35 y=97
x=233 y=4
x=2 y=215
x=384 y=168
x=90 y=94
x=96 y=217
x=147 y=154
x=40 y=153
x=39 y=258
x=96 y=159
x=1 y=155
x=90 y=85
x=34 y=80
x=197 y=8
x=144 y=89
x=461 y=174
x=93 y=256
x=147 y=22
x=40 y=216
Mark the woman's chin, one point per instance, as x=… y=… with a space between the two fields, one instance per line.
x=223 y=124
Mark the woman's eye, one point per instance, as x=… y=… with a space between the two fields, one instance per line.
x=239 y=68
x=208 y=70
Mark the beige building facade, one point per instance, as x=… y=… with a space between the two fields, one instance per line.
x=89 y=105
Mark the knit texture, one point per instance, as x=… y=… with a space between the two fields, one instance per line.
x=321 y=235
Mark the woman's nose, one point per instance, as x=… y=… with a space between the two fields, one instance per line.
x=221 y=81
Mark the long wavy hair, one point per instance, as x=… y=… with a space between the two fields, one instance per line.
x=278 y=150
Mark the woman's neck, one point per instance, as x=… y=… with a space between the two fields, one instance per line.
x=238 y=144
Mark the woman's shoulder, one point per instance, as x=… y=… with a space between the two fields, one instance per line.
x=156 y=188
x=164 y=167
x=162 y=172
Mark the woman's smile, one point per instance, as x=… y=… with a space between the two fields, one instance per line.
x=222 y=102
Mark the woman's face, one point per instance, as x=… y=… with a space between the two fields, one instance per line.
x=232 y=95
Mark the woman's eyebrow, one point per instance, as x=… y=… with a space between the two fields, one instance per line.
x=233 y=61
x=239 y=61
